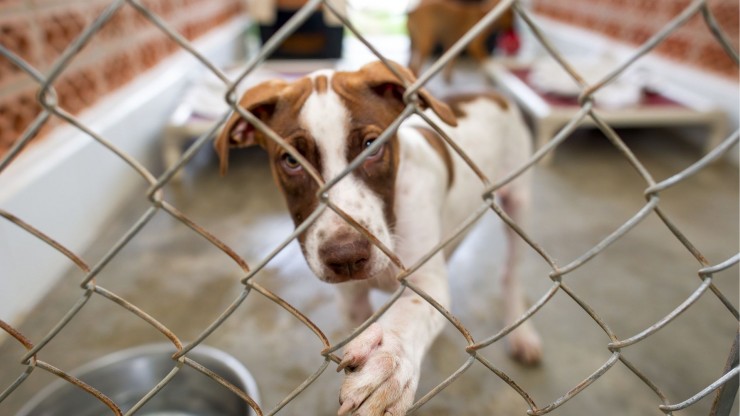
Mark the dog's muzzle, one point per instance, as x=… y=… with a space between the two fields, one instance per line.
x=346 y=257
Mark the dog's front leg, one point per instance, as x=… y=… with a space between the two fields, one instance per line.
x=354 y=302
x=383 y=362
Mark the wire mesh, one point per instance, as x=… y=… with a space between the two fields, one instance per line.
x=91 y=287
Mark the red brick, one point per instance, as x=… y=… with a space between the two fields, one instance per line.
x=118 y=69
x=675 y=47
x=644 y=7
x=675 y=7
x=613 y=29
x=59 y=28
x=727 y=15
x=122 y=23
x=17 y=112
x=78 y=88
x=153 y=50
x=16 y=35
x=124 y=47
x=163 y=9
x=637 y=34
x=714 y=58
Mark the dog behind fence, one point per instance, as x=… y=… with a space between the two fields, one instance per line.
x=723 y=388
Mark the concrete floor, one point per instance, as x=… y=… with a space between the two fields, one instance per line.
x=588 y=191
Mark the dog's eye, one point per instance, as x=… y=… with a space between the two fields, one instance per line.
x=377 y=152
x=290 y=163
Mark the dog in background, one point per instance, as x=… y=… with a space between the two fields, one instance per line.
x=434 y=23
x=411 y=192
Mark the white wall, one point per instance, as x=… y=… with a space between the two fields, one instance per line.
x=69 y=186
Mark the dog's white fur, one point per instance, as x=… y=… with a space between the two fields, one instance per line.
x=497 y=141
x=383 y=363
x=324 y=115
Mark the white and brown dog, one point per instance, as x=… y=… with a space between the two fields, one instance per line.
x=410 y=193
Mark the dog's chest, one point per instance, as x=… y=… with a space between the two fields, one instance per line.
x=423 y=177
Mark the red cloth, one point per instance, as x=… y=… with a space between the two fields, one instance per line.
x=508 y=42
x=649 y=98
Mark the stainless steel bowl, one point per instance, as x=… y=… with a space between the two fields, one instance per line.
x=126 y=376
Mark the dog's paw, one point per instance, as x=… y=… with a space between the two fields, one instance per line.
x=524 y=344
x=381 y=378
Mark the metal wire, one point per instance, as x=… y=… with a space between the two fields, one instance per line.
x=89 y=287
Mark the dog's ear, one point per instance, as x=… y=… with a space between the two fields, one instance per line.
x=385 y=82
x=259 y=100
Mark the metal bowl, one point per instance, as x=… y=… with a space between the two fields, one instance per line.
x=126 y=376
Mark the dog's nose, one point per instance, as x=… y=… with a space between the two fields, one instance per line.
x=346 y=256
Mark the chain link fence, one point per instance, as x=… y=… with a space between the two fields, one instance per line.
x=724 y=388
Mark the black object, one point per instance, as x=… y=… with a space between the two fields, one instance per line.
x=314 y=39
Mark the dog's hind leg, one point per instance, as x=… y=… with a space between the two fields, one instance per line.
x=477 y=49
x=447 y=71
x=524 y=343
x=421 y=49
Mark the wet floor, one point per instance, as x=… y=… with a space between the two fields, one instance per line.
x=588 y=191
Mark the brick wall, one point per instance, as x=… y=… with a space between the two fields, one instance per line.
x=40 y=30
x=635 y=21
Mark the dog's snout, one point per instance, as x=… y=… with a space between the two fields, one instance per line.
x=346 y=256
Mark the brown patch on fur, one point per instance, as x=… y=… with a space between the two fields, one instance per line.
x=265 y=101
x=321 y=84
x=380 y=79
x=277 y=104
x=299 y=189
x=456 y=101
x=439 y=146
x=370 y=115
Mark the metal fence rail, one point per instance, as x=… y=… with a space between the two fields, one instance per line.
x=90 y=286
